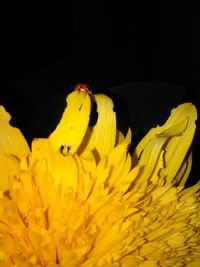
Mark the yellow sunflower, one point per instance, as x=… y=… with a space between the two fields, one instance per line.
x=79 y=199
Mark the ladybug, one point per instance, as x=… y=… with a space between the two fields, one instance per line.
x=81 y=87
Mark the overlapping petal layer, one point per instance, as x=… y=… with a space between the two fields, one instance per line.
x=168 y=147
x=79 y=199
x=13 y=146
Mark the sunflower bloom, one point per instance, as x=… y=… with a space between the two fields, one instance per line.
x=79 y=199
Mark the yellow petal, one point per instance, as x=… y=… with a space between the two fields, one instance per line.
x=74 y=122
x=177 y=147
x=62 y=168
x=120 y=163
x=11 y=139
x=119 y=137
x=194 y=264
x=168 y=145
x=12 y=142
x=9 y=167
x=102 y=136
x=95 y=208
x=184 y=171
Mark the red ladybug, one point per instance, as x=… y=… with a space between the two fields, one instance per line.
x=81 y=87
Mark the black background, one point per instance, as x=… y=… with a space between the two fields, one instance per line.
x=144 y=54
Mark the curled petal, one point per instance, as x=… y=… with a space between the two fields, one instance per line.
x=74 y=122
x=101 y=138
x=168 y=146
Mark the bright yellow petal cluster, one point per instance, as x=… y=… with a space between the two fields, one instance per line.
x=79 y=199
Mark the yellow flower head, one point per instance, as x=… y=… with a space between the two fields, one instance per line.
x=79 y=199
